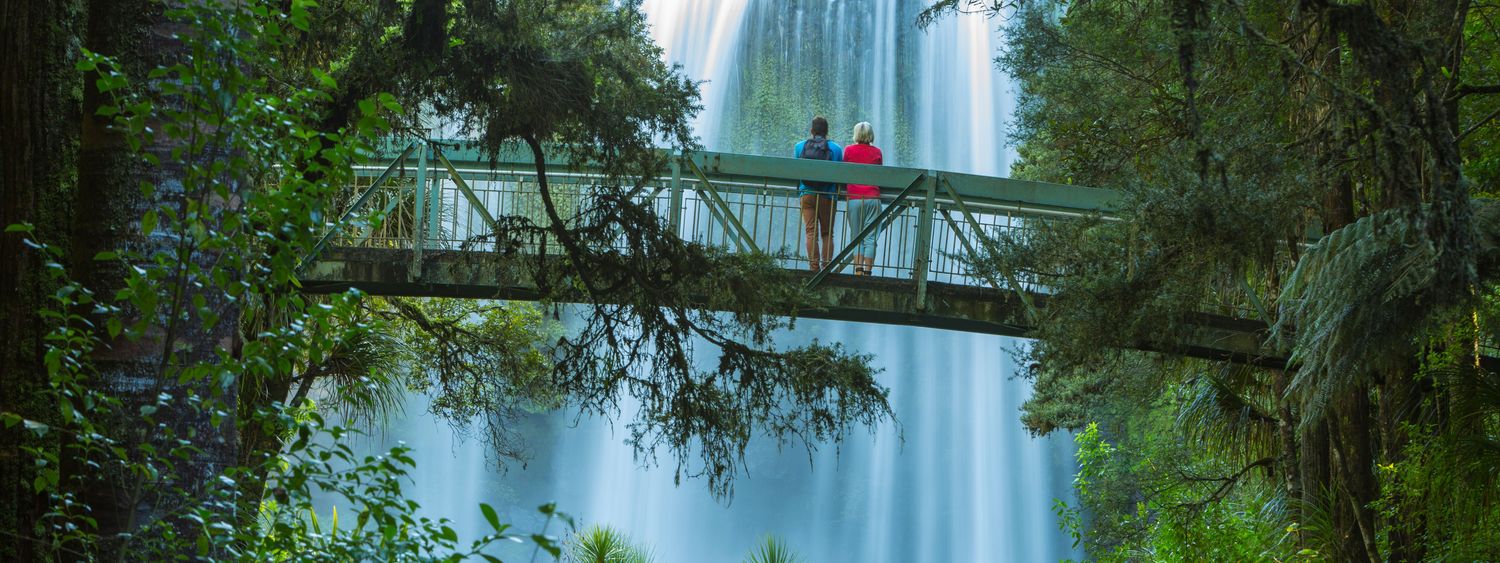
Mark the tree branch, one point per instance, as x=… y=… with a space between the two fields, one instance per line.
x=1226 y=484
x=1477 y=125
x=1467 y=89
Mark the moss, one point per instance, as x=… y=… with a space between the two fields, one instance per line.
x=787 y=75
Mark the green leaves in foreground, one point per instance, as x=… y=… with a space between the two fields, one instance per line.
x=604 y=544
x=772 y=550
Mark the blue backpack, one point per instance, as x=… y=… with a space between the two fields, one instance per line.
x=816 y=148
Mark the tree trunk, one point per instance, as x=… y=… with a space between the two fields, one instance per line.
x=1400 y=403
x=1313 y=468
x=1356 y=466
x=1286 y=431
x=39 y=130
x=111 y=205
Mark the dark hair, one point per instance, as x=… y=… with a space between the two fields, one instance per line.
x=820 y=127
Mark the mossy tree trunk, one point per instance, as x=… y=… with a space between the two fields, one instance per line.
x=79 y=184
x=111 y=205
x=39 y=109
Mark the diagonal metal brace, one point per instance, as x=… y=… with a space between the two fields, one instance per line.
x=968 y=246
x=989 y=245
x=358 y=203
x=723 y=213
x=887 y=214
x=474 y=202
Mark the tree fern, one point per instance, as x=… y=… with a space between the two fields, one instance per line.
x=1228 y=411
x=1355 y=302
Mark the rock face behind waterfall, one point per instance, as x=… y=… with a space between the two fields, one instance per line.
x=843 y=60
x=933 y=96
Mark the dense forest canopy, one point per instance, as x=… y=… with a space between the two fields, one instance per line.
x=1325 y=167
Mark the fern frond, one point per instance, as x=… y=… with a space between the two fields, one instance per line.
x=1222 y=412
x=1354 y=302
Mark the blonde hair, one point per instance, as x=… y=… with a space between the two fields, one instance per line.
x=864 y=133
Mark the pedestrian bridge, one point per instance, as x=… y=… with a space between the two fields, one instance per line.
x=421 y=222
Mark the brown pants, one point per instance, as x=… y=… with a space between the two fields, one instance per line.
x=817 y=221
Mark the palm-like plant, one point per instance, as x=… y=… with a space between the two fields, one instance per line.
x=1231 y=411
x=604 y=544
x=362 y=374
x=772 y=550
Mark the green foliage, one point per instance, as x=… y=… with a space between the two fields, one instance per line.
x=604 y=544
x=771 y=550
x=1239 y=132
x=1148 y=503
x=132 y=468
x=477 y=360
x=191 y=340
x=1352 y=299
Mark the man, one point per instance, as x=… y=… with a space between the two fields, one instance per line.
x=817 y=198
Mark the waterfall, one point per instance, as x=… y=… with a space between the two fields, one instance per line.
x=700 y=36
x=967 y=483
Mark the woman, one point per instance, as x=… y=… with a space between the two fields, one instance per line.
x=864 y=200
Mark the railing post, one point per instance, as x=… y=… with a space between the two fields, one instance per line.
x=924 y=241
x=417 y=237
x=434 y=211
x=676 y=212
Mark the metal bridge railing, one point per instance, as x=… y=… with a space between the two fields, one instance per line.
x=435 y=198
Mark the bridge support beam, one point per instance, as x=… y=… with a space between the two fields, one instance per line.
x=675 y=215
x=487 y=275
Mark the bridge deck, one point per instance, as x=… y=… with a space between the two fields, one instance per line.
x=421 y=225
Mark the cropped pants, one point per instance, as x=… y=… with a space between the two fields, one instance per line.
x=860 y=213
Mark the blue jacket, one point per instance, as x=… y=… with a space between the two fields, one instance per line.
x=836 y=155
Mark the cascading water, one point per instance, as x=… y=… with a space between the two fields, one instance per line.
x=968 y=483
x=700 y=36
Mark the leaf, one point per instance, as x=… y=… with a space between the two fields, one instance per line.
x=490 y=516
x=546 y=543
x=38 y=428
x=325 y=79
x=19 y=228
x=389 y=102
x=148 y=222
